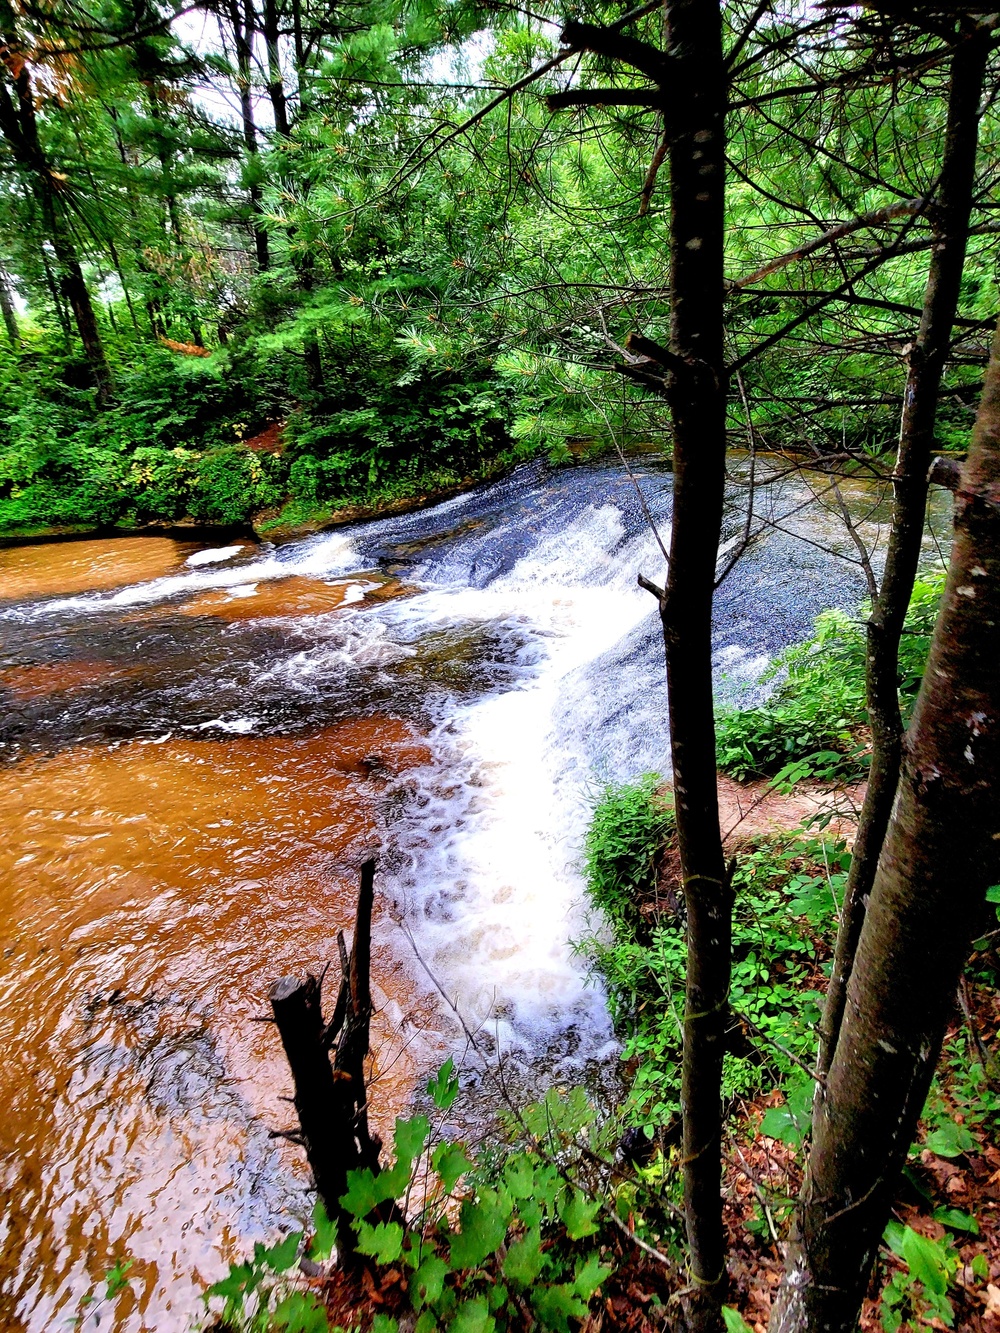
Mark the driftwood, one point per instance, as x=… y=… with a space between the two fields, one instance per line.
x=331 y=1098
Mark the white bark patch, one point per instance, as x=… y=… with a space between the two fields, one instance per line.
x=693 y=244
x=703 y=136
x=966 y=590
x=969 y=755
x=977 y=572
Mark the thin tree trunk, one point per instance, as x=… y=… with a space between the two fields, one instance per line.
x=275 y=86
x=692 y=98
x=950 y=220
x=19 y=127
x=928 y=891
x=243 y=34
x=698 y=407
x=7 y=308
x=57 y=303
x=74 y=289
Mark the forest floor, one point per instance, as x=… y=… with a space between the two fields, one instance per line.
x=950 y=1196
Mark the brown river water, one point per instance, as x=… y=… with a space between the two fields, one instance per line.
x=197 y=749
x=146 y=885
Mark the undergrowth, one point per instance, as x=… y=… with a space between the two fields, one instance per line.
x=524 y=1235
x=813 y=725
x=786 y=888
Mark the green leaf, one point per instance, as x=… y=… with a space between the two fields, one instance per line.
x=993 y=893
x=241 y=1279
x=427 y=1282
x=557 y=1305
x=519 y=1176
x=589 y=1277
x=443 y=1087
x=496 y=1297
x=790 y=1123
x=300 y=1312
x=578 y=1213
x=382 y=1323
x=450 y=1162
x=325 y=1235
x=384 y=1241
x=926 y=1260
x=524 y=1259
x=393 y=1183
x=734 y=1321
x=956 y=1219
x=893 y=1236
x=426 y=1323
x=949 y=1139
x=981 y=1266
x=279 y=1258
x=362 y=1195
x=473 y=1317
x=411 y=1135
x=483 y=1230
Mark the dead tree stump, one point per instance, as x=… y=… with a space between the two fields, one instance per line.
x=331 y=1098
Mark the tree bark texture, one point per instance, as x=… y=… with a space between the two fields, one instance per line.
x=691 y=95
x=697 y=396
x=928 y=891
x=275 y=84
x=949 y=214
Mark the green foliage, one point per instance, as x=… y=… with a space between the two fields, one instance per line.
x=488 y=1244
x=920 y=1291
x=91 y=1305
x=812 y=726
x=625 y=839
x=786 y=890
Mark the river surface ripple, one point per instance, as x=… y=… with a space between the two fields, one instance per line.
x=198 y=748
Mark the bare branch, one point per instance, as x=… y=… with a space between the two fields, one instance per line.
x=878 y=217
x=614 y=44
x=644 y=97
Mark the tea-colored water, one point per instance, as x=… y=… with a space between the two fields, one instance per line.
x=150 y=891
x=87 y=566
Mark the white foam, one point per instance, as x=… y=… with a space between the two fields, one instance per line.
x=491 y=842
x=325 y=557
x=215 y=556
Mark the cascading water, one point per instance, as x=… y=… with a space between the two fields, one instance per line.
x=196 y=760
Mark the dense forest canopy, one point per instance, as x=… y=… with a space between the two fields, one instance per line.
x=340 y=218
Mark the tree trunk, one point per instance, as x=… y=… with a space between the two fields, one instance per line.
x=698 y=407
x=275 y=86
x=928 y=891
x=243 y=34
x=331 y=1099
x=7 y=308
x=950 y=221
x=19 y=127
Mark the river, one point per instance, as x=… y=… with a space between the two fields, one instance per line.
x=200 y=745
